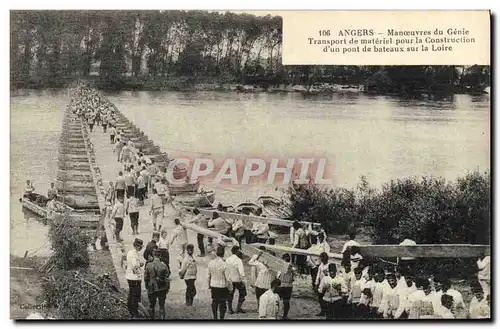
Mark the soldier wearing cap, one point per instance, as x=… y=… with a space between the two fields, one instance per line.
x=157 y=281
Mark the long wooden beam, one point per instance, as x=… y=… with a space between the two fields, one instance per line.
x=206 y=232
x=422 y=251
x=425 y=250
x=276 y=264
x=295 y=251
x=235 y=216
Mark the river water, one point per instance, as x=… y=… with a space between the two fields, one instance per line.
x=35 y=125
x=379 y=137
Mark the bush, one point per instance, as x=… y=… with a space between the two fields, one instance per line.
x=338 y=210
x=76 y=296
x=69 y=244
x=432 y=210
x=428 y=210
x=74 y=290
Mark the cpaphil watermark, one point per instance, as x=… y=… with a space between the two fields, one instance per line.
x=244 y=171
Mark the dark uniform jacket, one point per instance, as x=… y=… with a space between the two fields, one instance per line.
x=156 y=276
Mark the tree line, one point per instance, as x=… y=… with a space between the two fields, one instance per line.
x=128 y=49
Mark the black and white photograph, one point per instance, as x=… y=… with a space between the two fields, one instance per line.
x=167 y=165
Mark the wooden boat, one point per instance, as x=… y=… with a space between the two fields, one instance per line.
x=64 y=150
x=67 y=152
x=248 y=208
x=41 y=209
x=73 y=157
x=72 y=129
x=186 y=187
x=265 y=200
x=78 y=190
x=196 y=199
x=74 y=163
x=229 y=208
x=219 y=208
x=85 y=219
x=74 y=145
x=180 y=189
x=133 y=130
x=159 y=158
x=71 y=134
x=351 y=89
x=72 y=137
x=75 y=178
x=74 y=166
x=273 y=206
x=146 y=145
x=65 y=161
x=64 y=175
x=128 y=132
x=74 y=184
x=134 y=139
x=151 y=152
x=83 y=200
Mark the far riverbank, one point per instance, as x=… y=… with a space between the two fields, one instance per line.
x=190 y=84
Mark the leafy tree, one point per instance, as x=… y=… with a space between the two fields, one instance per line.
x=50 y=48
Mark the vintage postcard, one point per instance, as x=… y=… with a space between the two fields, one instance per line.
x=250 y=165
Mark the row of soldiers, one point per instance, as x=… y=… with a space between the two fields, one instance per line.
x=374 y=292
x=92 y=108
x=344 y=292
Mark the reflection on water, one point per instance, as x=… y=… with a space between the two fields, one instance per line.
x=377 y=136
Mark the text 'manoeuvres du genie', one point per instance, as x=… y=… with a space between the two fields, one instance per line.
x=389 y=38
